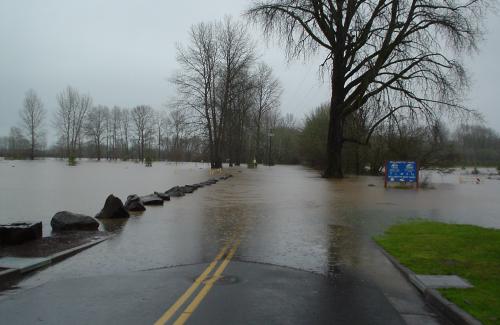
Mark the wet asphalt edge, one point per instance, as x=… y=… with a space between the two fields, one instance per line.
x=12 y=274
x=452 y=312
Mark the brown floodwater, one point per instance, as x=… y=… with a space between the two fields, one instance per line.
x=285 y=215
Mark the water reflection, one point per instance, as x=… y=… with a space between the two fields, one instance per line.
x=114 y=226
x=340 y=249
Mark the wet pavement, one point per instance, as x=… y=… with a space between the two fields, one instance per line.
x=256 y=294
x=306 y=253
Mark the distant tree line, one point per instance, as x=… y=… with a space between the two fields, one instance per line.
x=120 y=133
x=85 y=130
x=400 y=138
x=100 y=132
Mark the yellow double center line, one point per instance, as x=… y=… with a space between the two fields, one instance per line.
x=204 y=291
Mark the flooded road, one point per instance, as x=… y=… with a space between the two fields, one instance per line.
x=287 y=216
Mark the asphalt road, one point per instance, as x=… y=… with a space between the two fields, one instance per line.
x=248 y=293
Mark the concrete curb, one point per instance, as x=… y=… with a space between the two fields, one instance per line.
x=11 y=274
x=431 y=296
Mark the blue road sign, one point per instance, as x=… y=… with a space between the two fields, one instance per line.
x=401 y=171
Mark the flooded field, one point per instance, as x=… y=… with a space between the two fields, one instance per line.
x=36 y=190
x=287 y=215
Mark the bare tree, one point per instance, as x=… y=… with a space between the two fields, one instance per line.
x=178 y=122
x=142 y=117
x=237 y=55
x=70 y=116
x=160 y=124
x=115 y=130
x=95 y=127
x=125 y=132
x=32 y=116
x=267 y=97
x=196 y=83
x=390 y=52
x=243 y=101
x=218 y=53
x=17 y=142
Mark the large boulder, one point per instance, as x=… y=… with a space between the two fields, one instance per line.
x=151 y=200
x=163 y=196
x=134 y=203
x=65 y=220
x=175 y=191
x=113 y=208
x=19 y=232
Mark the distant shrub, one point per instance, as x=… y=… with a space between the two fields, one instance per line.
x=148 y=161
x=71 y=160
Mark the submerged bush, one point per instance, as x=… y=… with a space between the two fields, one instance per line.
x=71 y=160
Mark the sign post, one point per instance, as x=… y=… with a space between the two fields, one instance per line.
x=401 y=171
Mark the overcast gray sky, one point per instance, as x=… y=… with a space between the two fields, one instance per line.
x=122 y=53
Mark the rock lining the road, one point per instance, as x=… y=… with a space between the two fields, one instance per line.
x=163 y=196
x=151 y=199
x=20 y=232
x=175 y=191
x=137 y=203
x=134 y=203
x=65 y=220
x=113 y=209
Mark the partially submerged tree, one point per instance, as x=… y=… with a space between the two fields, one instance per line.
x=242 y=106
x=125 y=132
x=70 y=117
x=95 y=127
x=217 y=55
x=267 y=92
x=143 y=121
x=314 y=135
x=161 y=122
x=383 y=55
x=115 y=121
x=178 y=123
x=32 y=116
x=196 y=83
x=17 y=143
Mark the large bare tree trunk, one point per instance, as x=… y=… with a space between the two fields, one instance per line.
x=335 y=139
x=334 y=146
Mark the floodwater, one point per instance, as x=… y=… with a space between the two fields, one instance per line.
x=286 y=215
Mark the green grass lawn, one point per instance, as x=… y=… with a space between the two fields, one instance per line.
x=471 y=252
